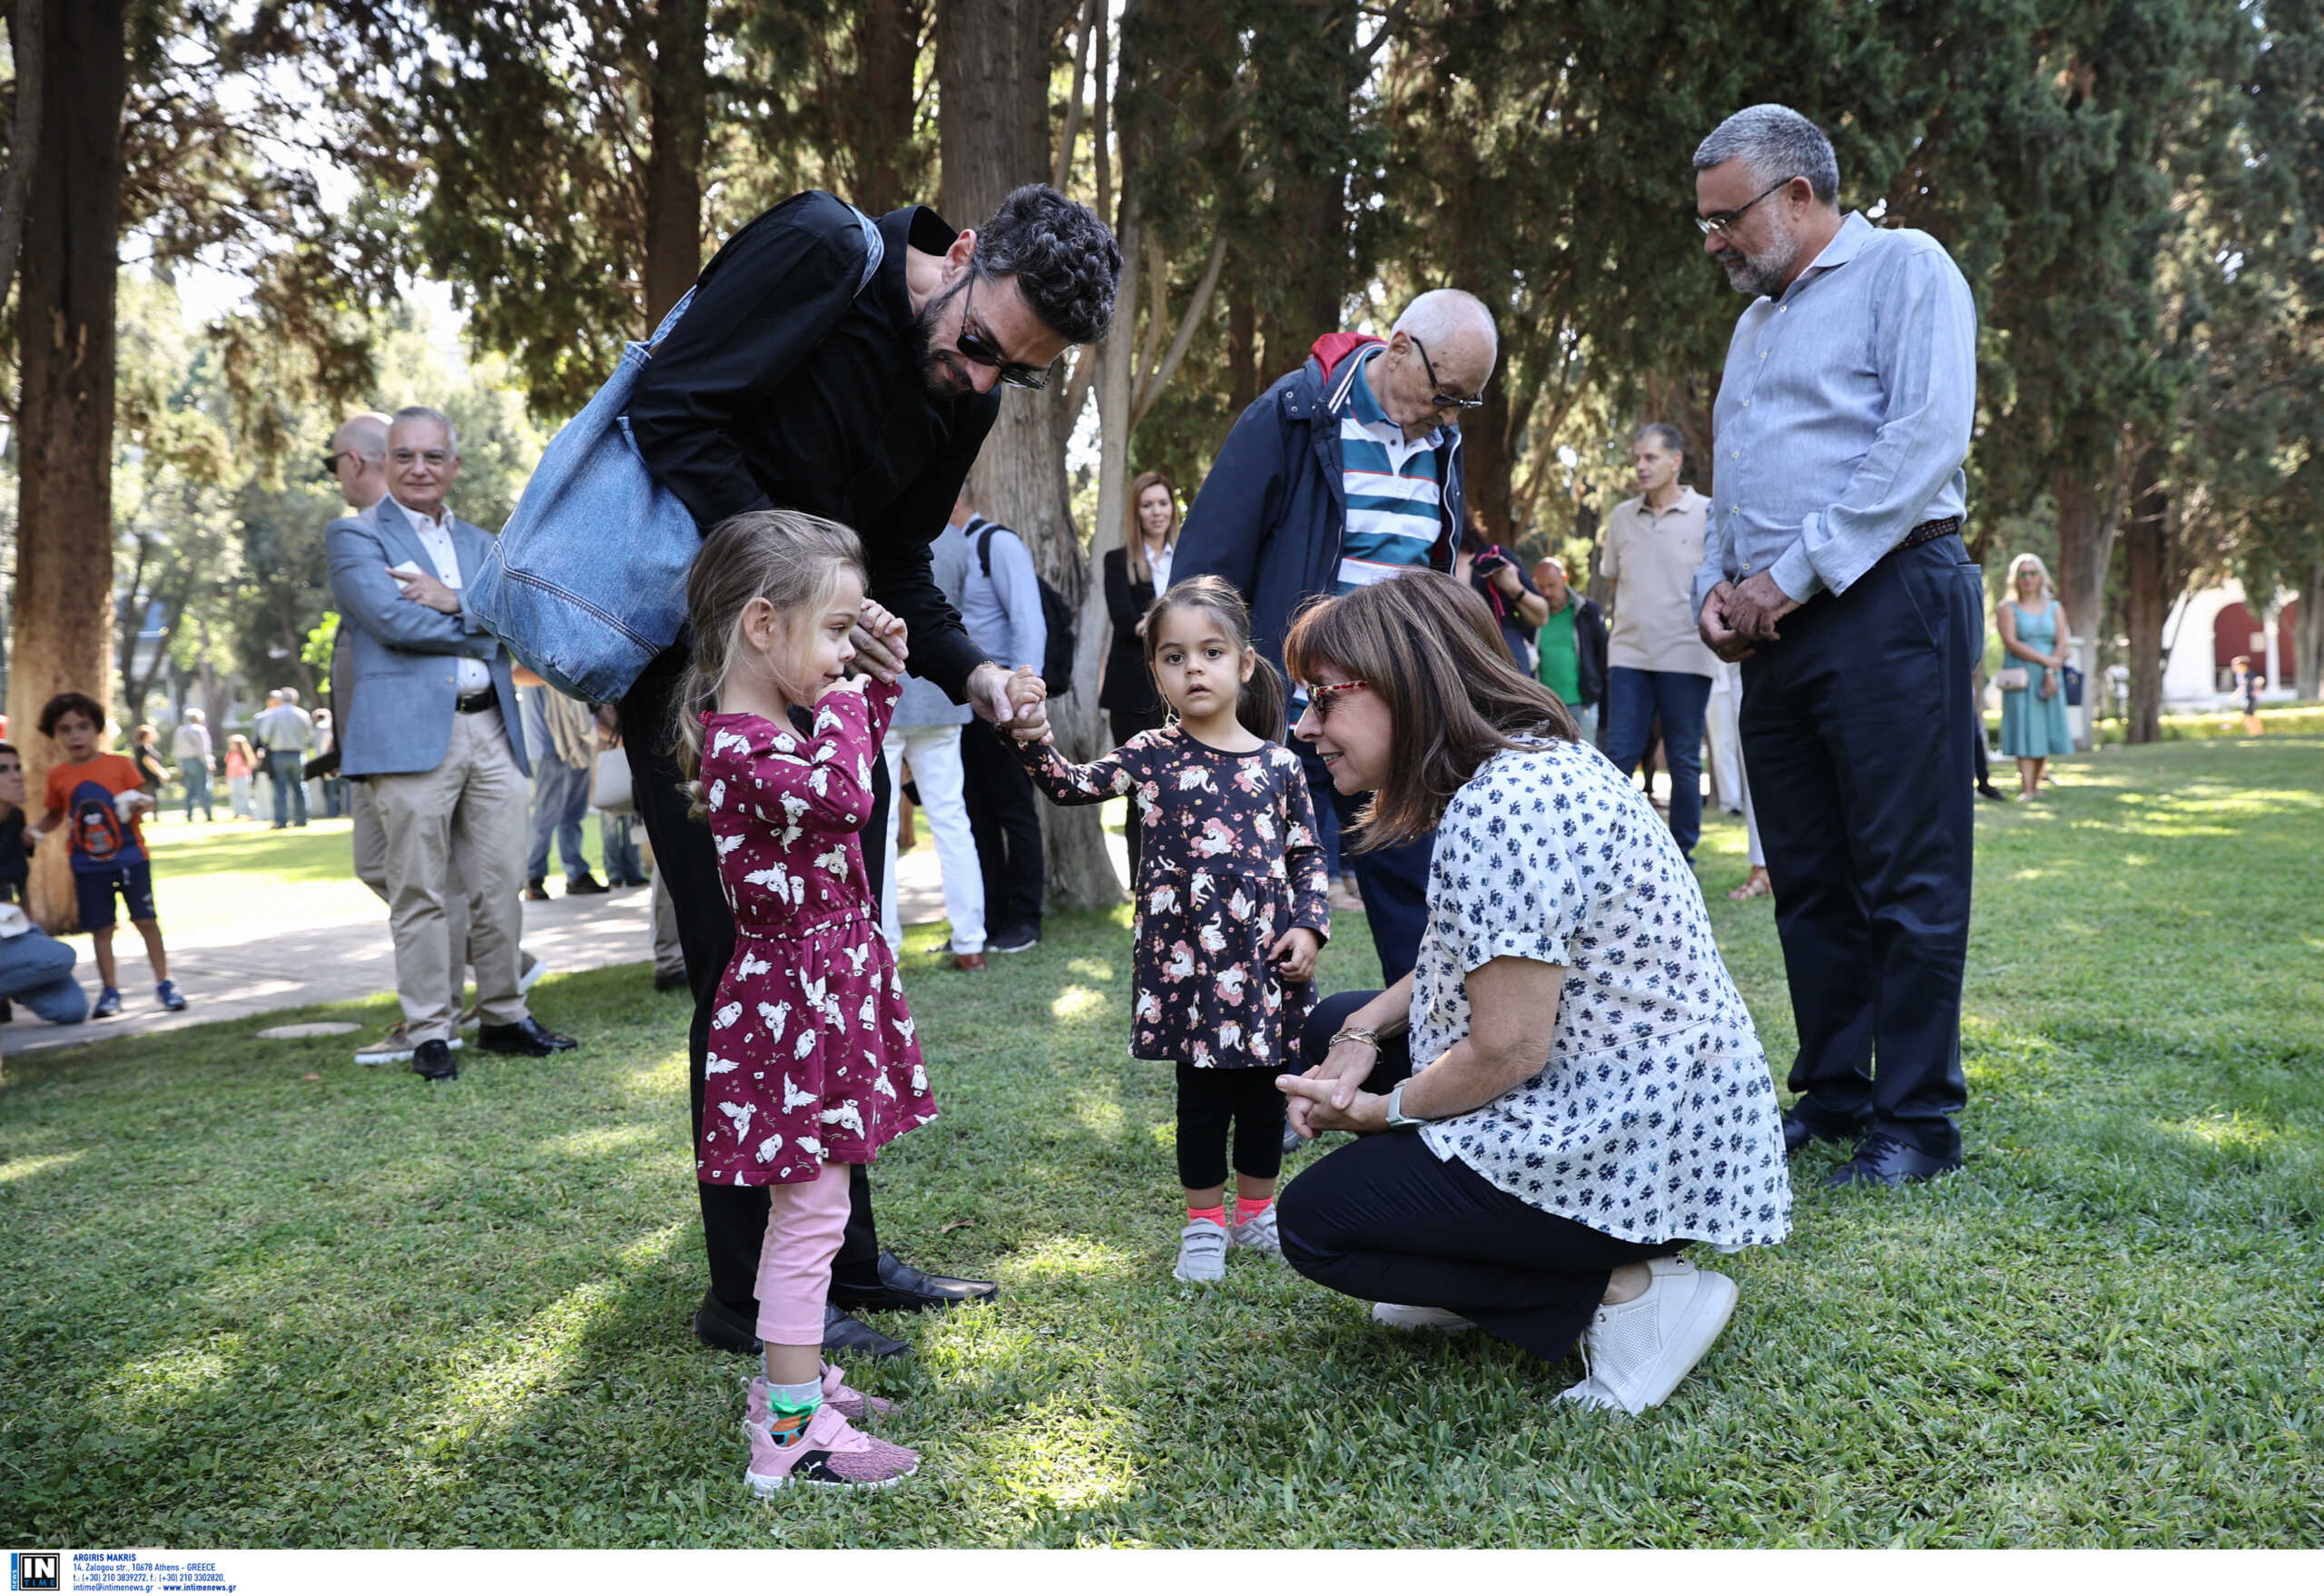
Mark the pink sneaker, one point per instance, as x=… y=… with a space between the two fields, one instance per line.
x=833 y=1452
x=853 y=1405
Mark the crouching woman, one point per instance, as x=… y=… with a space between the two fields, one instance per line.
x=1567 y=1090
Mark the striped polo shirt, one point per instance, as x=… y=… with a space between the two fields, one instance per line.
x=1393 y=515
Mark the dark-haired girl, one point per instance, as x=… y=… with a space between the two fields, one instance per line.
x=1230 y=905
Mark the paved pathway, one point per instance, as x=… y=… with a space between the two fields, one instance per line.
x=233 y=972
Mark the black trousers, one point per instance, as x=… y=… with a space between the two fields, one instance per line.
x=1005 y=818
x=1385 y=1219
x=1393 y=881
x=1127 y=723
x=1207 y=1100
x=733 y=1217
x=1858 y=730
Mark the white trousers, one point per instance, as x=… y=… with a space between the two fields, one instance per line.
x=935 y=756
x=1720 y=727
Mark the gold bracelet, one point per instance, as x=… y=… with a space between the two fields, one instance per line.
x=1354 y=1033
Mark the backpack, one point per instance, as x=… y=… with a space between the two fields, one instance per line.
x=97 y=832
x=1056 y=619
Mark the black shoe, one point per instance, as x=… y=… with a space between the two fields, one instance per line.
x=1987 y=790
x=857 y=1339
x=584 y=886
x=1882 y=1160
x=536 y=892
x=433 y=1061
x=669 y=981
x=528 y=1038
x=717 y=1326
x=1797 y=1133
x=906 y=1289
x=1019 y=939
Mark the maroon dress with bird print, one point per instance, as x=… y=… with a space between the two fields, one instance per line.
x=1229 y=864
x=813 y=1057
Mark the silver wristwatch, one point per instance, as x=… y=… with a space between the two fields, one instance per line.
x=1397 y=1118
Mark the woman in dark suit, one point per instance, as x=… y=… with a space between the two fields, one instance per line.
x=1135 y=573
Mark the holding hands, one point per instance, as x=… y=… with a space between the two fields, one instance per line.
x=879 y=638
x=1018 y=700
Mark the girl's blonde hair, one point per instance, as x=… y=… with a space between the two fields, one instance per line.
x=1134 y=534
x=2034 y=560
x=1259 y=705
x=793 y=560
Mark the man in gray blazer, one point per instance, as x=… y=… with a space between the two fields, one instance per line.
x=450 y=785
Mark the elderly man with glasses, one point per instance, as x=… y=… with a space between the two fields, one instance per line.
x=1347 y=472
x=795 y=378
x=1833 y=567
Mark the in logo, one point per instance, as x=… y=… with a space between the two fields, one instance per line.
x=35 y=1570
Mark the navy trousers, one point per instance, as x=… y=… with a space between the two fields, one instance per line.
x=1393 y=881
x=1856 y=730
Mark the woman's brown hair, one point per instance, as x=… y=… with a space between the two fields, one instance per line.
x=1430 y=648
x=1259 y=705
x=1134 y=534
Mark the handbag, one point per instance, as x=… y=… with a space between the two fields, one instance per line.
x=2016 y=679
x=609 y=788
x=587 y=623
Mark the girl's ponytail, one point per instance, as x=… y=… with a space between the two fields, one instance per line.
x=1259 y=707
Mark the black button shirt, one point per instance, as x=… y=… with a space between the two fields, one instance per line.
x=780 y=386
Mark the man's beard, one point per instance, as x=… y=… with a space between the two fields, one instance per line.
x=1763 y=272
x=944 y=376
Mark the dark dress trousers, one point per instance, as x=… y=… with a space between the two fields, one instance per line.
x=1128 y=694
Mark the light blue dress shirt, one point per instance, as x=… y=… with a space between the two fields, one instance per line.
x=1844 y=416
x=923 y=703
x=1003 y=615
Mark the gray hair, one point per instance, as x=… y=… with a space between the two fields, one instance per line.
x=424 y=413
x=1443 y=313
x=289 y=695
x=1670 y=437
x=1776 y=144
x=195 y=716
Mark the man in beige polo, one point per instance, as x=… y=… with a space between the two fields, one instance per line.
x=1656 y=662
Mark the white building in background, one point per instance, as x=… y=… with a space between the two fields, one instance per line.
x=2206 y=630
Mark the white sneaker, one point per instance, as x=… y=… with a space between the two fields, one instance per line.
x=1202 y=1252
x=1634 y=1353
x=1399 y=1316
x=1257 y=1233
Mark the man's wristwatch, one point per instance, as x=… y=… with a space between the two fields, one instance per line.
x=1397 y=1118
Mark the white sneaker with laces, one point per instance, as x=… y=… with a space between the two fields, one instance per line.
x=1258 y=1233
x=1399 y=1316
x=1634 y=1353
x=1202 y=1252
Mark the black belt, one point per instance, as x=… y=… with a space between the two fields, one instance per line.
x=477 y=703
x=1929 y=532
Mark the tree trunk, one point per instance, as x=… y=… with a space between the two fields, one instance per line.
x=887 y=54
x=2085 y=546
x=2145 y=562
x=1486 y=466
x=677 y=123
x=1242 y=350
x=993 y=64
x=27 y=33
x=63 y=609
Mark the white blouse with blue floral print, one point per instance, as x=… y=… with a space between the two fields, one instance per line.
x=1654 y=1117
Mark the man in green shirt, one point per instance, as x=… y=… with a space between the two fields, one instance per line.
x=1570 y=647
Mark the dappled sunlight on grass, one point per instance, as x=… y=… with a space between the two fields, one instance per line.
x=609 y=1139
x=1091 y=969
x=173 y=1376
x=1078 y=1003
x=25 y=1168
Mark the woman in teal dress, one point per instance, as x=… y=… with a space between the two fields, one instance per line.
x=2033 y=630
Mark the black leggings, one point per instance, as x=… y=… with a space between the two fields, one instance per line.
x=1207 y=1100
x=1386 y=1220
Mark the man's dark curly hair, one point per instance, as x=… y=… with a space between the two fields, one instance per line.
x=1065 y=260
x=64 y=703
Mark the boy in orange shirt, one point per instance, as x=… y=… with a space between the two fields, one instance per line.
x=102 y=794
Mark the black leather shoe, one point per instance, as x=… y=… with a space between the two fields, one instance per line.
x=1797 y=1133
x=903 y=1287
x=669 y=981
x=857 y=1339
x=584 y=885
x=528 y=1038
x=717 y=1326
x=433 y=1061
x=1882 y=1159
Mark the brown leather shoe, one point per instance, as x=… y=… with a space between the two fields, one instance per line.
x=968 y=961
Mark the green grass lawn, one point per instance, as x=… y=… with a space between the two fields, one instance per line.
x=257 y=1296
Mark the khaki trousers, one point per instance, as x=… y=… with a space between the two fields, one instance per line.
x=463 y=822
x=371 y=869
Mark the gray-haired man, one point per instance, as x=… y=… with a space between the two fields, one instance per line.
x=1832 y=566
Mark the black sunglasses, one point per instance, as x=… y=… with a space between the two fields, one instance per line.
x=330 y=465
x=1443 y=400
x=975 y=346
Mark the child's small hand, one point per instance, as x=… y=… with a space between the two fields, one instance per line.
x=1293 y=954
x=844 y=684
x=887 y=625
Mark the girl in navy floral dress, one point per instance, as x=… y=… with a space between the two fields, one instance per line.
x=1230 y=902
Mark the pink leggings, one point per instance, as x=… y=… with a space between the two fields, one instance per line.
x=803 y=1227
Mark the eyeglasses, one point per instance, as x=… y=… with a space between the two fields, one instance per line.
x=1723 y=221
x=1441 y=400
x=330 y=463
x=976 y=346
x=1322 y=695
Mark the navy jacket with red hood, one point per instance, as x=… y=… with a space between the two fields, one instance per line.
x=1272 y=513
